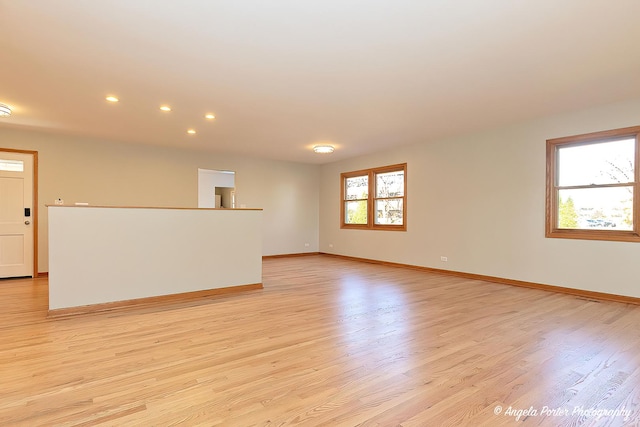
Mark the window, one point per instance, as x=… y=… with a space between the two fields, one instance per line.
x=593 y=185
x=374 y=198
x=11 y=165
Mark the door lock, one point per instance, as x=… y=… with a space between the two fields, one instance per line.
x=27 y=222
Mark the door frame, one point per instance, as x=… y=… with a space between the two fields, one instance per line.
x=34 y=205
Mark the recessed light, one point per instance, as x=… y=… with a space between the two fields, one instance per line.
x=323 y=149
x=209 y=116
x=112 y=99
x=191 y=131
x=5 y=110
x=165 y=108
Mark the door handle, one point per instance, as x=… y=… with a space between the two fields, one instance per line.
x=27 y=222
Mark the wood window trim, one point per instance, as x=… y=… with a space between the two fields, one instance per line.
x=371 y=173
x=551 y=209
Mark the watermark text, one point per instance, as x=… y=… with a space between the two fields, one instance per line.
x=546 y=411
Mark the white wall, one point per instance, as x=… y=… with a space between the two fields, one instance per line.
x=112 y=173
x=477 y=199
x=480 y=200
x=154 y=251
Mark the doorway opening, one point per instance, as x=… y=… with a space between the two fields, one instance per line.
x=216 y=188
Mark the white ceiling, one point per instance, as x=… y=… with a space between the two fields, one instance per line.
x=282 y=75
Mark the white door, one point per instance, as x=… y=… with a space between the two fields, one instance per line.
x=16 y=214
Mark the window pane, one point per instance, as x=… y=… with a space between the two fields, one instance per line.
x=356 y=187
x=389 y=211
x=390 y=184
x=355 y=212
x=11 y=165
x=600 y=163
x=596 y=208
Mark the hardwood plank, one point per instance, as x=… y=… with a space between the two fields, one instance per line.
x=328 y=341
x=150 y=301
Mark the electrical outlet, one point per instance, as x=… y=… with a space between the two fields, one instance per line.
x=306 y=245
x=444 y=259
x=330 y=245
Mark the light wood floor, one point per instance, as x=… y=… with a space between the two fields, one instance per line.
x=327 y=342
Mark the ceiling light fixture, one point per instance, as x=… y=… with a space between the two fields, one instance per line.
x=191 y=131
x=209 y=116
x=165 y=108
x=323 y=149
x=5 y=110
x=112 y=99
